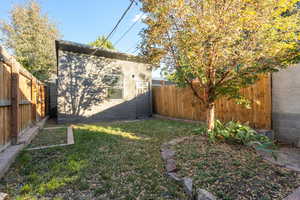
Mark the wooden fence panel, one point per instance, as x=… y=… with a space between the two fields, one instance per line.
x=25 y=102
x=18 y=95
x=40 y=101
x=176 y=102
x=5 y=101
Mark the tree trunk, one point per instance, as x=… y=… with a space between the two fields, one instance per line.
x=210 y=119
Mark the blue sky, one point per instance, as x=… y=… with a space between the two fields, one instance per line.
x=83 y=20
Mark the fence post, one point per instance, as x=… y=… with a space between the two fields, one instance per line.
x=46 y=100
x=43 y=101
x=33 y=100
x=15 y=101
x=38 y=91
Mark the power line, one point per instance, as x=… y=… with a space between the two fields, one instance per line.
x=135 y=50
x=119 y=21
x=129 y=29
x=130 y=48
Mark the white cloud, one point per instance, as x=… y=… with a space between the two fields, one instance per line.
x=139 y=17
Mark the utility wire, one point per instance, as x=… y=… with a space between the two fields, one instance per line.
x=119 y=21
x=129 y=29
x=135 y=50
x=130 y=48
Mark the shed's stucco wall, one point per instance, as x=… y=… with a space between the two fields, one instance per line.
x=286 y=104
x=82 y=96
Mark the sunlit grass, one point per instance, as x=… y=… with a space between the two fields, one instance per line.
x=108 y=130
x=108 y=161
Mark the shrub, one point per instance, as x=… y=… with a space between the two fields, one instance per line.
x=234 y=132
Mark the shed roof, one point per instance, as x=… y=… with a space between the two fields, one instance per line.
x=90 y=50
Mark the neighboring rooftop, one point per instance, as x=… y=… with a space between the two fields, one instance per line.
x=87 y=49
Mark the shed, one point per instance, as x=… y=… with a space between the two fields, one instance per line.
x=286 y=105
x=95 y=84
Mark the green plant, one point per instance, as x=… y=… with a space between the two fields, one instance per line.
x=234 y=132
x=102 y=42
x=31 y=36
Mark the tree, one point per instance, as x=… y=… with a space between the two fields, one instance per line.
x=31 y=36
x=224 y=45
x=102 y=42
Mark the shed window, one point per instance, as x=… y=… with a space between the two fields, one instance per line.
x=115 y=88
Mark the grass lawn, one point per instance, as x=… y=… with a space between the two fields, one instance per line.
x=233 y=171
x=121 y=160
x=107 y=161
x=49 y=137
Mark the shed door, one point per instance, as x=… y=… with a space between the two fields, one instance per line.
x=143 y=99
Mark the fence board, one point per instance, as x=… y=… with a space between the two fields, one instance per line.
x=17 y=103
x=176 y=102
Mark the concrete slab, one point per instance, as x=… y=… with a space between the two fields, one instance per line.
x=28 y=135
x=286 y=157
x=8 y=156
x=42 y=123
x=55 y=127
x=294 y=196
x=70 y=136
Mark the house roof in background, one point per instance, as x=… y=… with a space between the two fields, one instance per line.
x=90 y=50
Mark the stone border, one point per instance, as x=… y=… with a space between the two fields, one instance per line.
x=168 y=154
x=54 y=127
x=70 y=139
x=4 y=196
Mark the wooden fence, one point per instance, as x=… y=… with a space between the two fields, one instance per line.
x=168 y=100
x=22 y=99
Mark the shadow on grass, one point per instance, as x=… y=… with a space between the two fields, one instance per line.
x=108 y=161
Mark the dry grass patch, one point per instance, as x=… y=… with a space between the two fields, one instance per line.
x=233 y=171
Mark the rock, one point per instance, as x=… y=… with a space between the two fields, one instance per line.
x=3 y=196
x=294 y=196
x=204 y=195
x=172 y=142
x=178 y=140
x=171 y=165
x=167 y=154
x=268 y=133
x=188 y=185
x=174 y=176
x=165 y=146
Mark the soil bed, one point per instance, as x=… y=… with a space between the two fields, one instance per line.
x=49 y=137
x=233 y=171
